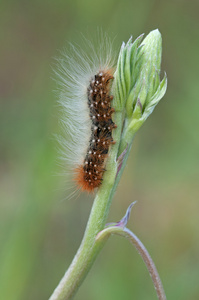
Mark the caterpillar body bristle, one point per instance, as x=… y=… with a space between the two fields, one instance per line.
x=86 y=101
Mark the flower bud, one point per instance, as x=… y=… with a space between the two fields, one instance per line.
x=137 y=85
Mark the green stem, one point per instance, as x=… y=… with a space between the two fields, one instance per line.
x=89 y=249
x=126 y=143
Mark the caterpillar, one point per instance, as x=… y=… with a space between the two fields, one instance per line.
x=84 y=95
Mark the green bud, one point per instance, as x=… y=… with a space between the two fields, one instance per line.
x=137 y=86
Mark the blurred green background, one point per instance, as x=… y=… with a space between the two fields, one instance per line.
x=40 y=231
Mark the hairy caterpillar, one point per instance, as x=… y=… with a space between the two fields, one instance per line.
x=84 y=95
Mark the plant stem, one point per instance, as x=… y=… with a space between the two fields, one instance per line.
x=87 y=252
x=89 y=249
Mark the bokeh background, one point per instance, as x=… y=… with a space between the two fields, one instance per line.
x=40 y=231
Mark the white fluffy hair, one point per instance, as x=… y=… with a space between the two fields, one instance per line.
x=74 y=72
